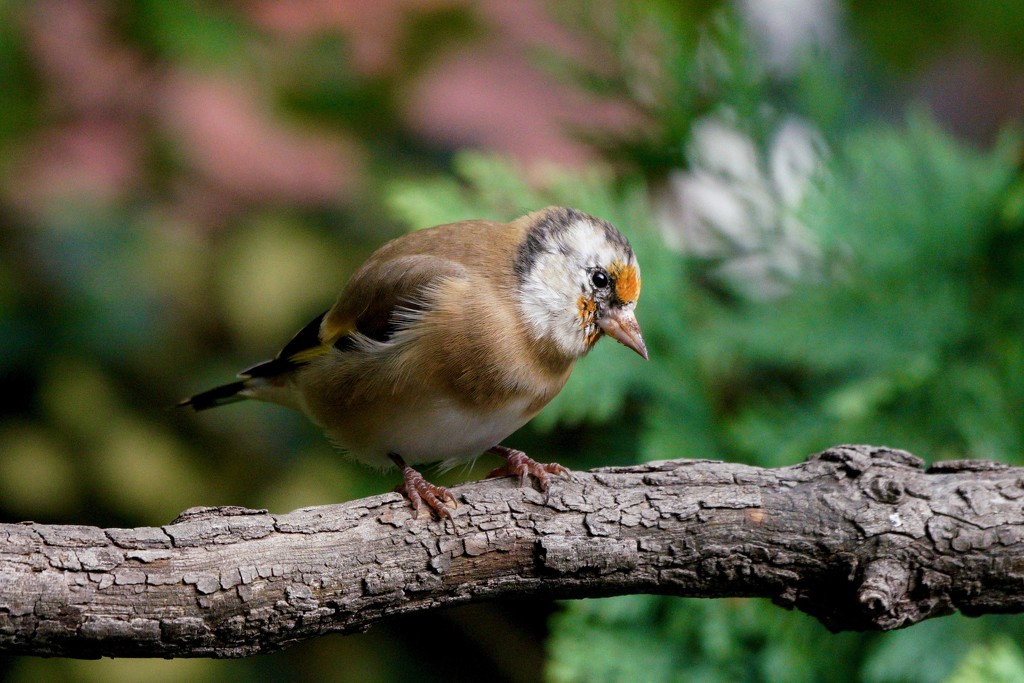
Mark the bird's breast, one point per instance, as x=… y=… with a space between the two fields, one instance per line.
x=441 y=429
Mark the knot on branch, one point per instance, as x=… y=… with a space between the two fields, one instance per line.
x=885 y=489
x=858 y=459
x=883 y=591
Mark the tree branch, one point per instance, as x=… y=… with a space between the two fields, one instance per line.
x=858 y=536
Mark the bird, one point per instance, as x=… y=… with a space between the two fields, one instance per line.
x=447 y=340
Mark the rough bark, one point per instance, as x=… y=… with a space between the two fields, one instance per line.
x=858 y=536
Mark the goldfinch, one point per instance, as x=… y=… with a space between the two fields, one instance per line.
x=449 y=339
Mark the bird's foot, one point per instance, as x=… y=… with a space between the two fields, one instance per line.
x=520 y=465
x=419 y=491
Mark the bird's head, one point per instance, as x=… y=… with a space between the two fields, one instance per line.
x=578 y=279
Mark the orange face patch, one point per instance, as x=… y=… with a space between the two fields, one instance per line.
x=586 y=309
x=627 y=281
x=586 y=312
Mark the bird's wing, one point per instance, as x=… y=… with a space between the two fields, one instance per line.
x=382 y=293
x=375 y=303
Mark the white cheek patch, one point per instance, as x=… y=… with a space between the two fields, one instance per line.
x=547 y=293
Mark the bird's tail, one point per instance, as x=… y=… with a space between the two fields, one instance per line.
x=218 y=396
x=267 y=381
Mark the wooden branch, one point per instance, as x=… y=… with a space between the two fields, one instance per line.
x=858 y=536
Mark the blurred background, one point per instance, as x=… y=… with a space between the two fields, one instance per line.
x=826 y=198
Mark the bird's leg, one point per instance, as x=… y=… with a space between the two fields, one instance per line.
x=521 y=465
x=418 y=490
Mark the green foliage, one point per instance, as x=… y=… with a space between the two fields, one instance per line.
x=949 y=650
x=907 y=37
x=692 y=640
x=910 y=340
x=198 y=34
x=675 y=62
x=999 y=661
x=20 y=91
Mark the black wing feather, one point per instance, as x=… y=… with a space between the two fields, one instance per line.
x=306 y=338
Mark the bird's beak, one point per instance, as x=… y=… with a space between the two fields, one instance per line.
x=621 y=325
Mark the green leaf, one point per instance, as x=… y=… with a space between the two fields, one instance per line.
x=998 y=661
x=924 y=653
x=199 y=34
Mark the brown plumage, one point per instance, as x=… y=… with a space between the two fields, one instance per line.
x=449 y=339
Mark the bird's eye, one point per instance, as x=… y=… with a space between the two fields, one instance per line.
x=600 y=279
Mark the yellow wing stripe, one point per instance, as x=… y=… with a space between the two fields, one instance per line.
x=331 y=331
x=309 y=354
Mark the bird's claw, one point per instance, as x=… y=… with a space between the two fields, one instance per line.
x=419 y=491
x=518 y=464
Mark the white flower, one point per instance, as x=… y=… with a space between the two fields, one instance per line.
x=737 y=207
